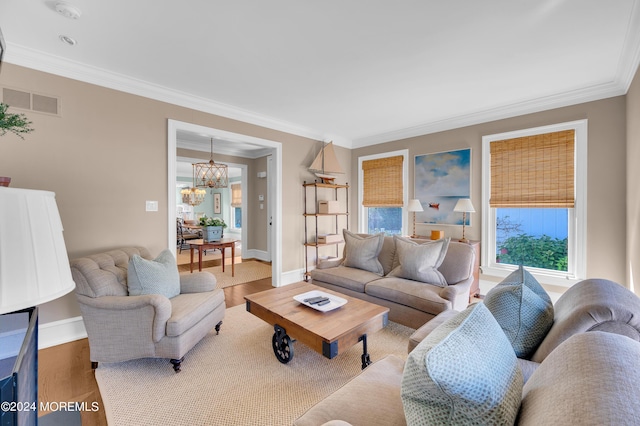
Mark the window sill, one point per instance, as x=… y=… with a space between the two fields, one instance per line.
x=491 y=273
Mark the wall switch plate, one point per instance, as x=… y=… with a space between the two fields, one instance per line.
x=152 y=206
x=260 y=197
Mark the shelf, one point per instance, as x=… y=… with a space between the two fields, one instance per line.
x=339 y=193
x=326 y=214
x=323 y=244
x=325 y=185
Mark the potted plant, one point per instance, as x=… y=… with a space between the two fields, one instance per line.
x=212 y=228
x=18 y=124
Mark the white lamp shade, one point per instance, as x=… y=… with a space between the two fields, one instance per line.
x=415 y=206
x=34 y=265
x=464 y=205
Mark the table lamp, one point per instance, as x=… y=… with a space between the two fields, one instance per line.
x=34 y=269
x=464 y=205
x=414 y=206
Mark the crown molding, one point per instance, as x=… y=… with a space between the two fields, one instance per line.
x=30 y=58
x=593 y=93
x=627 y=69
x=630 y=55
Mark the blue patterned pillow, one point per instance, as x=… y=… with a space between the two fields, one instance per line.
x=523 y=309
x=157 y=276
x=464 y=372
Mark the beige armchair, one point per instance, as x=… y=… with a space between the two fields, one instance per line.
x=122 y=327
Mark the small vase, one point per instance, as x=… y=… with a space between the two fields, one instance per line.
x=5 y=181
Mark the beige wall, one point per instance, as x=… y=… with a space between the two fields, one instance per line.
x=606 y=224
x=633 y=180
x=107 y=154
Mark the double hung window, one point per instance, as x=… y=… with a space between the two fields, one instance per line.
x=383 y=193
x=534 y=190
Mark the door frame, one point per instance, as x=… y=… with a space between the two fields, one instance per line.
x=274 y=183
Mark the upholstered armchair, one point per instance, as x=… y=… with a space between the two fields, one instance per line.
x=121 y=326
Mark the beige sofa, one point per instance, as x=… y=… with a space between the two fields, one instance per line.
x=122 y=327
x=585 y=371
x=411 y=303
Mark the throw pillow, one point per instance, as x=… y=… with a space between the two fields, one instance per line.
x=523 y=309
x=362 y=252
x=420 y=262
x=157 y=276
x=464 y=372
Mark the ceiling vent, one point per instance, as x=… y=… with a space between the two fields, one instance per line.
x=31 y=101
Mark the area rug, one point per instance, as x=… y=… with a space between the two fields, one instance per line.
x=245 y=272
x=234 y=378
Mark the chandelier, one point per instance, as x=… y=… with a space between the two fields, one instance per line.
x=193 y=196
x=211 y=175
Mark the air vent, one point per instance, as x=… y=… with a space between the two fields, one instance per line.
x=16 y=98
x=31 y=101
x=45 y=104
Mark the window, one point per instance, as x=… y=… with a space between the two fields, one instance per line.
x=236 y=206
x=534 y=189
x=383 y=193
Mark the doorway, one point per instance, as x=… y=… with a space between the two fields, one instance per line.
x=274 y=183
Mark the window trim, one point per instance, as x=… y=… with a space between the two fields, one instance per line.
x=577 y=222
x=362 y=212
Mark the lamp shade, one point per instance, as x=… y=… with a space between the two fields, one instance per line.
x=464 y=205
x=34 y=265
x=415 y=206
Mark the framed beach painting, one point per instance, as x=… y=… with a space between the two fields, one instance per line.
x=440 y=180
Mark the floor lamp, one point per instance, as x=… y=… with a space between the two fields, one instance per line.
x=464 y=205
x=34 y=269
x=414 y=206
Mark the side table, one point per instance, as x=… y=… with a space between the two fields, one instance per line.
x=222 y=244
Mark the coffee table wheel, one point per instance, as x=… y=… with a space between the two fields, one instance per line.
x=282 y=345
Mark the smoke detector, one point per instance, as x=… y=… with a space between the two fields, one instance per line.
x=68 y=10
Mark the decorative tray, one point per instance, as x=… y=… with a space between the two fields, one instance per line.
x=334 y=301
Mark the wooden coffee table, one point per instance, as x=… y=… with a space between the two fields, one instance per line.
x=328 y=333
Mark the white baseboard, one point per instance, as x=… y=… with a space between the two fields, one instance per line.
x=258 y=254
x=59 y=332
x=291 y=277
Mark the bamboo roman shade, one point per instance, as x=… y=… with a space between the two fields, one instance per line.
x=382 y=182
x=533 y=171
x=236 y=195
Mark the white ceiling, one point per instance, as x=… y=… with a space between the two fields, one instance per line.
x=357 y=72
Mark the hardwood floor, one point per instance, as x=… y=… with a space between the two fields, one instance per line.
x=65 y=374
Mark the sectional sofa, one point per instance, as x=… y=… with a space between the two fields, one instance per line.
x=465 y=370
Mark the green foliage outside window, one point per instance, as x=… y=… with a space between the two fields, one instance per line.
x=538 y=252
